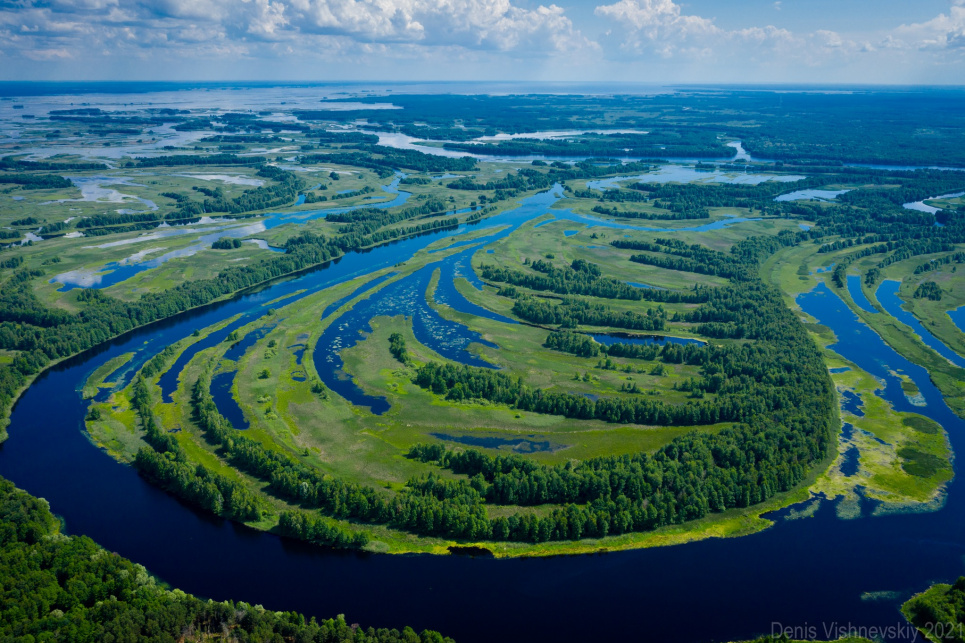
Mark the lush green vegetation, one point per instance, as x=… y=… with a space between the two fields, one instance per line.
x=939 y=612
x=56 y=587
x=566 y=445
x=226 y=243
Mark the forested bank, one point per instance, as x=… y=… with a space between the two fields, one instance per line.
x=939 y=612
x=55 y=587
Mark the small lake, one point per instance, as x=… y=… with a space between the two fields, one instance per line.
x=811 y=195
x=225 y=401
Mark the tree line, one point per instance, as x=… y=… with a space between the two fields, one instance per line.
x=59 y=587
x=684 y=215
x=584 y=279
x=570 y=313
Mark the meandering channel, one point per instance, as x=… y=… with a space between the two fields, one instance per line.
x=815 y=570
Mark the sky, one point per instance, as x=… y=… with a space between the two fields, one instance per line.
x=648 y=41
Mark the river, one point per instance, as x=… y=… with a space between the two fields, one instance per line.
x=802 y=572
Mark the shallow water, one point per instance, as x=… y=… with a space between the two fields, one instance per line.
x=116 y=272
x=811 y=195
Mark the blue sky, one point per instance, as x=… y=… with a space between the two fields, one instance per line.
x=652 y=41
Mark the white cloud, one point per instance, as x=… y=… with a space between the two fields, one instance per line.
x=365 y=26
x=649 y=40
x=944 y=32
x=660 y=28
x=655 y=23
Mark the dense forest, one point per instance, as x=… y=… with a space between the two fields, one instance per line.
x=812 y=127
x=66 y=588
x=939 y=612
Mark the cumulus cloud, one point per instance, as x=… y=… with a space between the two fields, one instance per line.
x=655 y=24
x=188 y=27
x=445 y=37
x=944 y=32
x=661 y=28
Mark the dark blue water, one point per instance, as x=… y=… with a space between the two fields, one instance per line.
x=238 y=349
x=225 y=401
x=854 y=289
x=795 y=573
x=460 y=265
x=404 y=297
x=887 y=295
x=299 y=352
x=849 y=464
x=660 y=340
x=222 y=382
x=169 y=379
x=851 y=402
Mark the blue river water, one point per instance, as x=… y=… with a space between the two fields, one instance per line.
x=887 y=295
x=659 y=340
x=227 y=405
x=860 y=300
x=798 y=572
x=958 y=317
